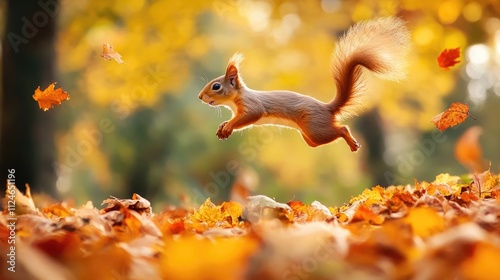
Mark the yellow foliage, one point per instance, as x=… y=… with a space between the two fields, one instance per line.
x=425 y=222
x=483 y=264
x=208 y=215
x=194 y=258
x=400 y=229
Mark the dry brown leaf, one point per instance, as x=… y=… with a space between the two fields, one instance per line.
x=436 y=230
x=137 y=203
x=308 y=213
x=171 y=221
x=261 y=207
x=57 y=211
x=245 y=183
x=17 y=203
x=366 y=214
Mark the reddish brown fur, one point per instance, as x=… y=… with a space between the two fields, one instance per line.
x=379 y=45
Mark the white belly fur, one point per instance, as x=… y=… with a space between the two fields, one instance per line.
x=277 y=121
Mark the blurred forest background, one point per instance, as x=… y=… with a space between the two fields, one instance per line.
x=139 y=126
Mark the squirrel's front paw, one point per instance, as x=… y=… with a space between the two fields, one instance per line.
x=224 y=131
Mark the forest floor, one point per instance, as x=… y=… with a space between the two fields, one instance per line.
x=445 y=229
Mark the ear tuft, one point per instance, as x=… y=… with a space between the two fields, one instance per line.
x=236 y=59
x=232 y=70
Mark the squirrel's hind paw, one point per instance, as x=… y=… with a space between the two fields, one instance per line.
x=355 y=146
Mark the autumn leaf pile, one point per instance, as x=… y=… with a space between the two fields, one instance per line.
x=445 y=229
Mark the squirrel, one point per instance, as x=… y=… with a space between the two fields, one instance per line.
x=379 y=45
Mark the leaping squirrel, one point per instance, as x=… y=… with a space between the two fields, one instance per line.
x=379 y=45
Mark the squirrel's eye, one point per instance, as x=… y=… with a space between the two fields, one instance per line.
x=216 y=86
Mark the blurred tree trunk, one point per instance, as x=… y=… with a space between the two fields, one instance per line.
x=28 y=60
x=371 y=127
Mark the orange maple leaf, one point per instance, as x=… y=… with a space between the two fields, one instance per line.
x=448 y=58
x=455 y=114
x=50 y=97
x=108 y=52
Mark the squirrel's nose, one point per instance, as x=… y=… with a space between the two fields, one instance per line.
x=200 y=96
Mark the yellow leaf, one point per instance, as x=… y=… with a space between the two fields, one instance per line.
x=425 y=221
x=233 y=210
x=483 y=263
x=208 y=215
x=194 y=258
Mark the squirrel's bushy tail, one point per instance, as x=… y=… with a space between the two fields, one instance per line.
x=381 y=46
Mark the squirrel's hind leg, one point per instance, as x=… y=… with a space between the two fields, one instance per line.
x=346 y=134
x=309 y=142
x=319 y=137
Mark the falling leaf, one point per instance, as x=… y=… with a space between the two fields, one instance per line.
x=245 y=183
x=448 y=58
x=455 y=114
x=108 y=52
x=50 y=97
x=468 y=150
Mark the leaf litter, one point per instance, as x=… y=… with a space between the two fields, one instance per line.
x=446 y=228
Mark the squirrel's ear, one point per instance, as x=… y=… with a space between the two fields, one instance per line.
x=232 y=75
x=232 y=70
